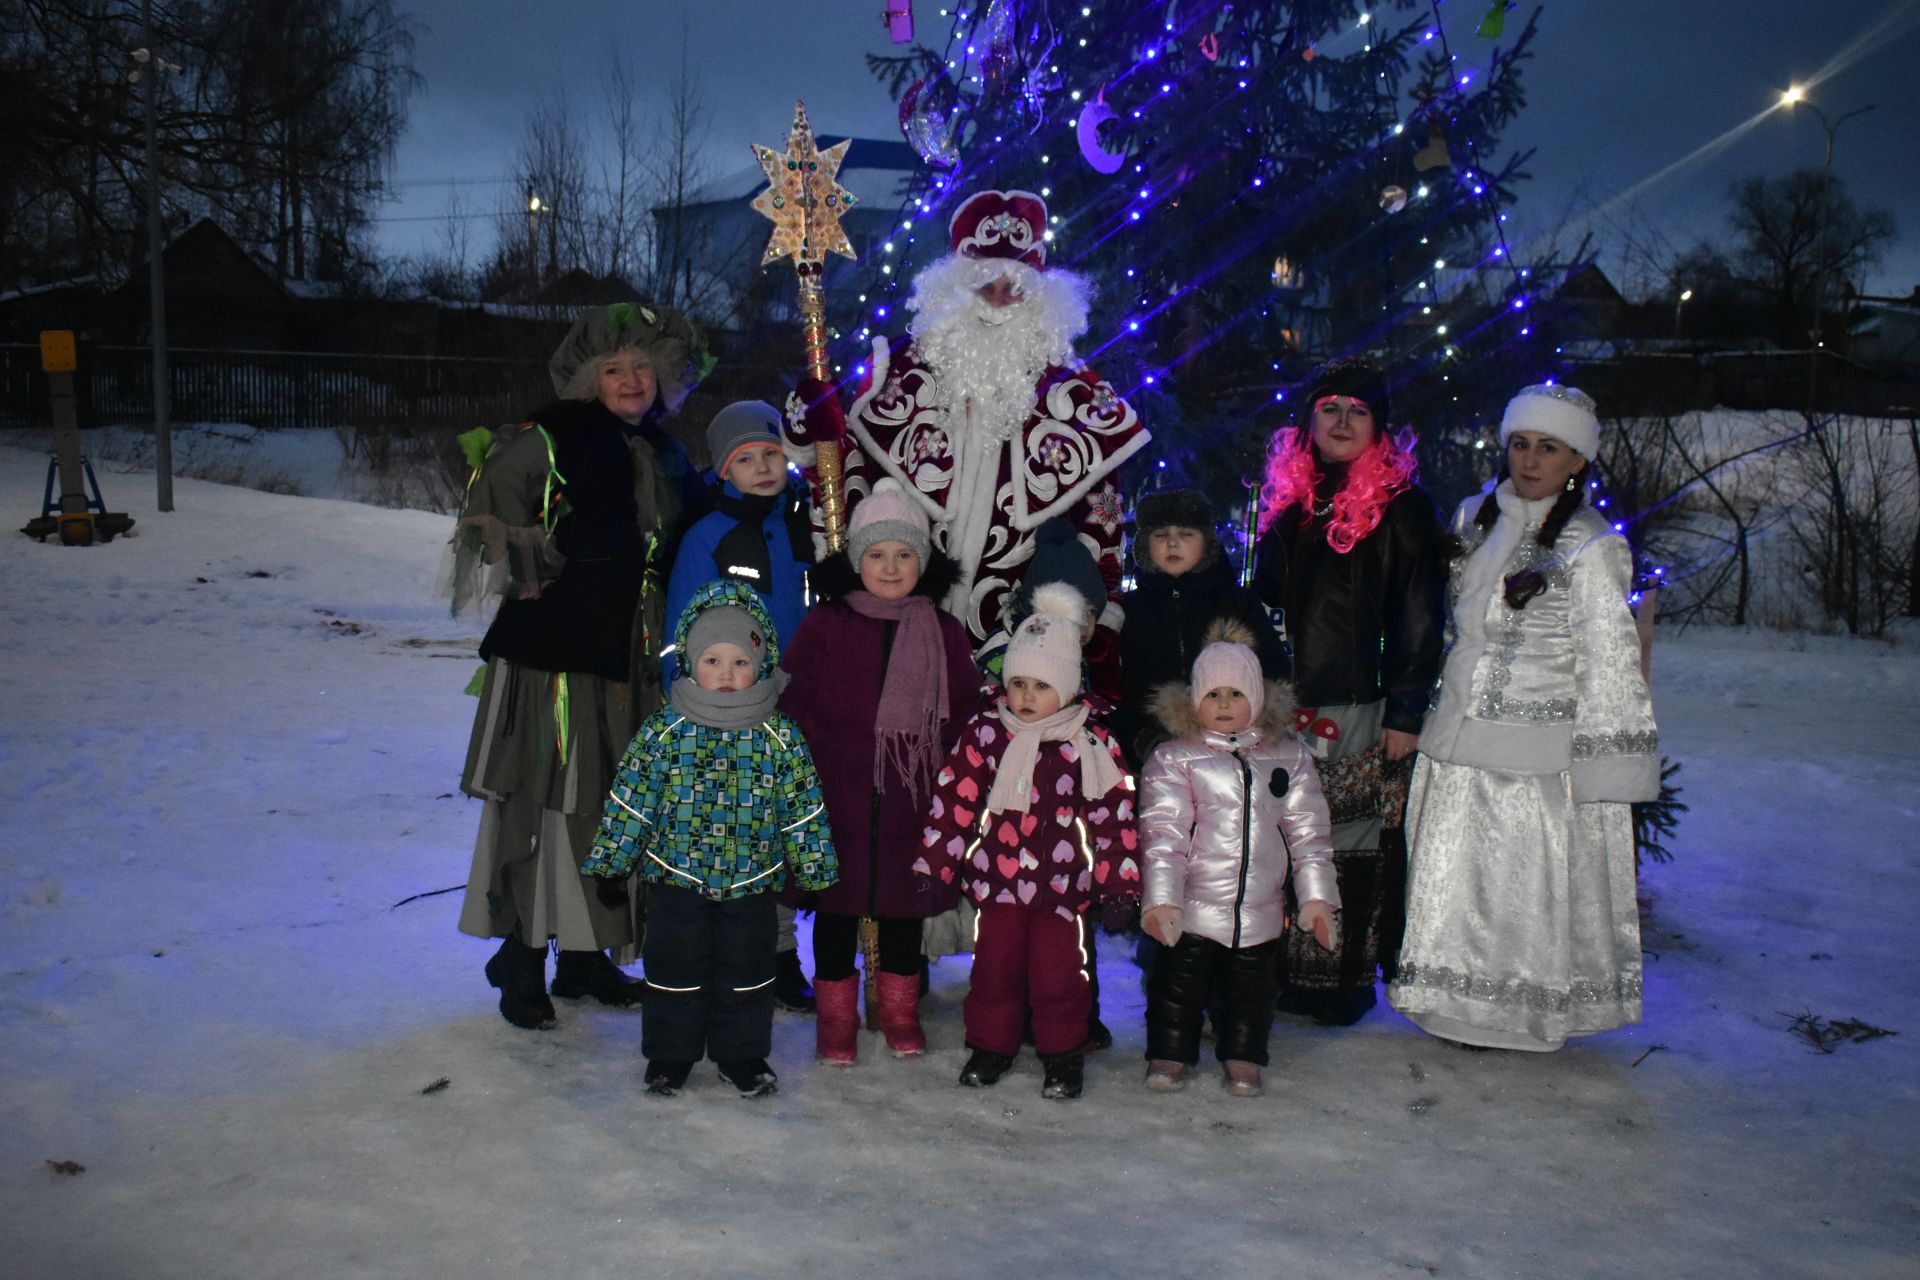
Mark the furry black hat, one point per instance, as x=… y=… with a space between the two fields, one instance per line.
x=1357 y=376
x=1180 y=508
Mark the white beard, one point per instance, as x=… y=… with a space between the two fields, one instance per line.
x=987 y=359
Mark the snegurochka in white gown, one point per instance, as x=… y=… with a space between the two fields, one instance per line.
x=1522 y=927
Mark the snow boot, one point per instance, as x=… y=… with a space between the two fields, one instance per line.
x=592 y=973
x=752 y=1077
x=1164 y=1076
x=1242 y=1078
x=837 y=1030
x=520 y=972
x=790 y=989
x=899 y=999
x=664 y=1079
x=984 y=1068
x=1098 y=1037
x=1066 y=1073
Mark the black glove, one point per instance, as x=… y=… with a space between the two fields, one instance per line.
x=1117 y=915
x=611 y=892
x=809 y=902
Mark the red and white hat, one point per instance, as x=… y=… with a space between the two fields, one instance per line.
x=1001 y=224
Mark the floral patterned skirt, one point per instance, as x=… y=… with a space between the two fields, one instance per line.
x=1522 y=928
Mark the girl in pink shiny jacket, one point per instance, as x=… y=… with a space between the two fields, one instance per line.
x=1228 y=808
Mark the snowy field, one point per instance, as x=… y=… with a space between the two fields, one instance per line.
x=230 y=745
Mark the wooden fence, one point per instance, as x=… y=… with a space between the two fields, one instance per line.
x=280 y=389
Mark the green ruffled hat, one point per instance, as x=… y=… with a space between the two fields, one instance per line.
x=672 y=344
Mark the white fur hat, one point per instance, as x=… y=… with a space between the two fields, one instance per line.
x=1565 y=413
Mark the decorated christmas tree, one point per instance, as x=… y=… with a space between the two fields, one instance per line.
x=1253 y=187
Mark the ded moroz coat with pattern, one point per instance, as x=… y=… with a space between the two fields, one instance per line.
x=986 y=495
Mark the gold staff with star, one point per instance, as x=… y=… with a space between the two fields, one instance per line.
x=804 y=199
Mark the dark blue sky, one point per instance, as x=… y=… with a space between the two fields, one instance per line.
x=1620 y=91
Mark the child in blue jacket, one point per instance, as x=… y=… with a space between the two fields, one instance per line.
x=715 y=804
x=757 y=533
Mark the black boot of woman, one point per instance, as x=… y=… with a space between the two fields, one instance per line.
x=520 y=972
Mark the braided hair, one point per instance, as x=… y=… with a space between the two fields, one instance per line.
x=1528 y=583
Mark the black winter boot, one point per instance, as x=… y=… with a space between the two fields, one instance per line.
x=592 y=973
x=790 y=989
x=752 y=1077
x=1065 y=1076
x=984 y=1068
x=664 y=1079
x=520 y=972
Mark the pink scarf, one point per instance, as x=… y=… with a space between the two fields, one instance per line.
x=1013 y=780
x=913 y=700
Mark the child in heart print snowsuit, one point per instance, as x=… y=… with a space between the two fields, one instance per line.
x=1033 y=816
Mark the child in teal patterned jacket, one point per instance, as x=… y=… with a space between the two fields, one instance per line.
x=715 y=803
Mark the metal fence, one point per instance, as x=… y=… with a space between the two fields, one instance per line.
x=279 y=388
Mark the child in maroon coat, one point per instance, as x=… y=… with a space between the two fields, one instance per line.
x=882 y=681
x=1033 y=817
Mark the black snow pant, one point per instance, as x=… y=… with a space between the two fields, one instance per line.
x=1197 y=974
x=709 y=977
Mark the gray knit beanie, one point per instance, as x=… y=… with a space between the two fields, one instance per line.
x=739 y=425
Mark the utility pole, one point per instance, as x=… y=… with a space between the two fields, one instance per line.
x=156 y=273
x=533 y=239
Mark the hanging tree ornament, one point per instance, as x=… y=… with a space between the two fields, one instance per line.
x=1210 y=47
x=1092 y=116
x=899 y=21
x=1434 y=155
x=1393 y=198
x=995 y=38
x=929 y=119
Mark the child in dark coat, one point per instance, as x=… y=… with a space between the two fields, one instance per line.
x=1033 y=818
x=882 y=681
x=757 y=533
x=1186 y=585
x=715 y=803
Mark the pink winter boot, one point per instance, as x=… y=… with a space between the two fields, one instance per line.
x=900 y=1014
x=837 y=1021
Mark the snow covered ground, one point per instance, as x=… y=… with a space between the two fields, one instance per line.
x=230 y=745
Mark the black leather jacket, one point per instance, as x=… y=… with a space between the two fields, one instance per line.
x=1366 y=625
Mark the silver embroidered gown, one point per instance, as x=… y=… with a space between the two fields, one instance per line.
x=1522 y=927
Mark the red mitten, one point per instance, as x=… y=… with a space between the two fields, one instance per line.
x=814 y=414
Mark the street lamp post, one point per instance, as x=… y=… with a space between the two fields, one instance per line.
x=533 y=238
x=1796 y=96
x=1685 y=296
x=148 y=73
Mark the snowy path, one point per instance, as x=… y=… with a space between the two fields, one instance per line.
x=230 y=743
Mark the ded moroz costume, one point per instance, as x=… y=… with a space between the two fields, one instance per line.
x=983 y=414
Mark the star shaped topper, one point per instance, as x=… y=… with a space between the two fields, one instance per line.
x=804 y=196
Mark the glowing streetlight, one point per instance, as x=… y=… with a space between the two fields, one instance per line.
x=1686 y=296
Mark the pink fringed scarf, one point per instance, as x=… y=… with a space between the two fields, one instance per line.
x=913 y=700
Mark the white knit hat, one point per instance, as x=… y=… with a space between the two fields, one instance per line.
x=1225 y=664
x=1565 y=413
x=1047 y=645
